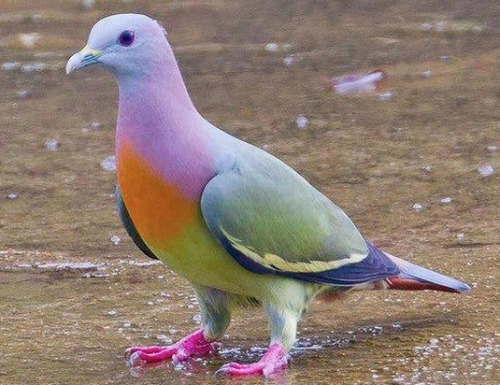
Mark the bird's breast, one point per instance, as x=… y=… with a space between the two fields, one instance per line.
x=160 y=210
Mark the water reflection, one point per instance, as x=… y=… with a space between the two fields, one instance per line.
x=201 y=370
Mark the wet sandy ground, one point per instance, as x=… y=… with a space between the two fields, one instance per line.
x=62 y=322
x=72 y=300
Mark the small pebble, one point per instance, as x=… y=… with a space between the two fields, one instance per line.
x=386 y=95
x=417 y=207
x=289 y=61
x=164 y=339
x=29 y=39
x=112 y=312
x=23 y=94
x=426 y=27
x=446 y=200
x=301 y=122
x=115 y=239
x=426 y=74
x=109 y=164
x=12 y=196
x=485 y=170
x=51 y=144
x=96 y=125
x=271 y=47
x=492 y=149
x=358 y=83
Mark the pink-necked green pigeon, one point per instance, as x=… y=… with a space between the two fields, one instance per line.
x=236 y=222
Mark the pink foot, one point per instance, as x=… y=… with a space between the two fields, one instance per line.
x=275 y=359
x=194 y=344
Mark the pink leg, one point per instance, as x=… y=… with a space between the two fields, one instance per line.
x=194 y=344
x=275 y=359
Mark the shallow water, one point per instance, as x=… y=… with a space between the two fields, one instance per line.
x=62 y=325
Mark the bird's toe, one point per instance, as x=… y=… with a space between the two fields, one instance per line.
x=135 y=360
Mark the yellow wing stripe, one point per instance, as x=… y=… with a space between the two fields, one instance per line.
x=275 y=262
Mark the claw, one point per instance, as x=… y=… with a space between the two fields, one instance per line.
x=274 y=360
x=221 y=372
x=134 y=360
x=193 y=344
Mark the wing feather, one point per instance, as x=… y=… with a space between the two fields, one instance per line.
x=272 y=221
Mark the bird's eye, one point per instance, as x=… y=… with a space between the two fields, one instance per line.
x=126 y=38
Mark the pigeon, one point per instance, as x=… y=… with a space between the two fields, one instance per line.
x=239 y=224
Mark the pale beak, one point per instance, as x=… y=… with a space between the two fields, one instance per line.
x=87 y=56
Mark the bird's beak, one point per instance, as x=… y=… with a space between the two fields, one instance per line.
x=87 y=56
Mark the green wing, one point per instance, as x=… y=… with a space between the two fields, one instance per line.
x=270 y=219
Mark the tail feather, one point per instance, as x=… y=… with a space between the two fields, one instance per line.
x=414 y=277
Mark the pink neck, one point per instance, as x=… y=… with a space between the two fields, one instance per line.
x=157 y=118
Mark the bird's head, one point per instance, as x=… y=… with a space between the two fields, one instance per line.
x=124 y=44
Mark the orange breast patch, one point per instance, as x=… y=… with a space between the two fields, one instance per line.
x=159 y=210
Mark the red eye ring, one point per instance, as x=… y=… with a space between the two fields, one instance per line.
x=126 y=37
